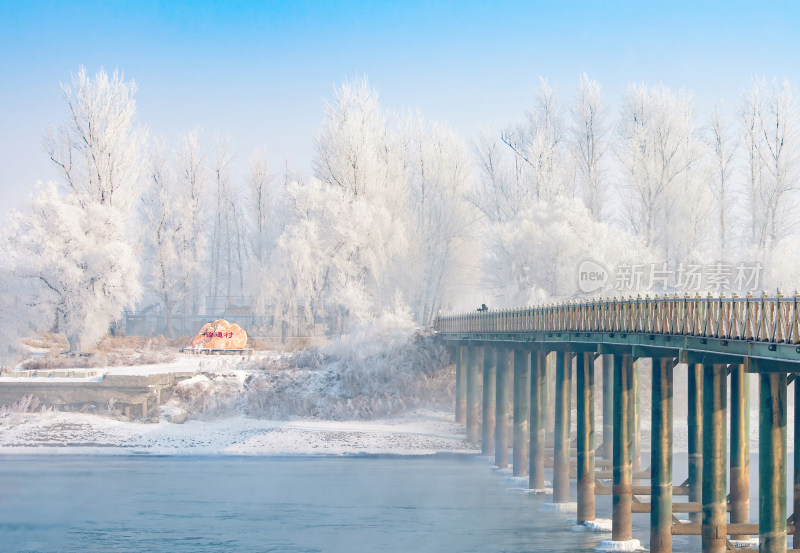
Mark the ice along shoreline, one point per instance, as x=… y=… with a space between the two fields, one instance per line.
x=422 y=432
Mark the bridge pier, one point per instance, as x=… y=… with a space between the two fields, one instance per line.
x=714 y=530
x=661 y=457
x=796 y=498
x=522 y=376
x=537 y=420
x=561 y=447
x=608 y=406
x=637 y=426
x=621 y=524
x=501 y=408
x=772 y=463
x=695 y=436
x=549 y=396
x=489 y=398
x=474 y=361
x=740 y=447
x=586 y=461
x=461 y=384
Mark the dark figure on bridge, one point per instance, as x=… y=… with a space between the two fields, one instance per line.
x=483 y=308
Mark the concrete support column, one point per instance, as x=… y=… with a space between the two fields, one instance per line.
x=621 y=526
x=695 y=438
x=740 y=447
x=561 y=438
x=549 y=396
x=474 y=362
x=489 y=398
x=585 y=400
x=772 y=458
x=501 y=408
x=714 y=530
x=661 y=458
x=608 y=406
x=461 y=384
x=522 y=377
x=637 y=426
x=537 y=421
x=796 y=537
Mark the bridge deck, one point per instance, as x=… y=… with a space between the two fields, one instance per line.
x=764 y=333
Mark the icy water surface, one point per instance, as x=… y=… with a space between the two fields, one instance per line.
x=249 y=504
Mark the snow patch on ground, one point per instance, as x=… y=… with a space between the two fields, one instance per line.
x=417 y=433
x=53 y=379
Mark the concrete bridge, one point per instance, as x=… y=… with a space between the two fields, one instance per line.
x=720 y=339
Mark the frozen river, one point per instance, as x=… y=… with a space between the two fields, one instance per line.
x=286 y=504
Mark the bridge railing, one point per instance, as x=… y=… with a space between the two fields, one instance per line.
x=764 y=319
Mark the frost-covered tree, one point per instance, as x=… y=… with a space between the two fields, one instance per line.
x=77 y=248
x=265 y=218
x=99 y=149
x=261 y=201
x=784 y=271
x=76 y=261
x=171 y=244
x=439 y=258
x=771 y=138
x=498 y=191
x=191 y=187
x=227 y=244
x=589 y=142
x=539 y=148
x=722 y=147
x=307 y=256
x=354 y=147
x=535 y=257
x=357 y=155
x=657 y=147
x=689 y=235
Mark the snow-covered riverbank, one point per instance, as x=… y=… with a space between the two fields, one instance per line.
x=417 y=433
x=384 y=390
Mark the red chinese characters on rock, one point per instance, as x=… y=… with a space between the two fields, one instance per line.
x=220 y=335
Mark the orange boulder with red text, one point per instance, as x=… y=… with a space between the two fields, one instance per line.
x=220 y=335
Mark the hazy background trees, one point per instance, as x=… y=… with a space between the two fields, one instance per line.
x=398 y=213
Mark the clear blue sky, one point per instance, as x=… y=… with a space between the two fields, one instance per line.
x=260 y=71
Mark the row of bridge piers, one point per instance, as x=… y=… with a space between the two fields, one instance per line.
x=504 y=396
